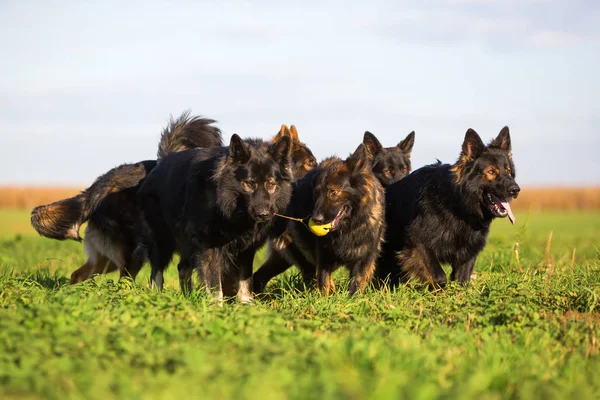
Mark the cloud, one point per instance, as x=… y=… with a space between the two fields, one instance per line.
x=497 y=24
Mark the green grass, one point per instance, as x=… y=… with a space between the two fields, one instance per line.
x=510 y=334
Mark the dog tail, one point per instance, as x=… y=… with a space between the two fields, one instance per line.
x=59 y=220
x=187 y=132
x=62 y=219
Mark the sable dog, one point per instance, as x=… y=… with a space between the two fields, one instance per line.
x=390 y=164
x=215 y=202
x=442 y=213
x=110 y=205
x=302 y=159
x=347 y=195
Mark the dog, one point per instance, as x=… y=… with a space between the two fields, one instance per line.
x=347 y=195
x=389 y=164
x=110 y=205
x=217 y=203
x=442 y=213
x=302 y=158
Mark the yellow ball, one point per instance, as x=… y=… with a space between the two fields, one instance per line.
x=319 y=230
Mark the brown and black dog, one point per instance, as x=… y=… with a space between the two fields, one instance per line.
x=347 y=195
x=390 y=164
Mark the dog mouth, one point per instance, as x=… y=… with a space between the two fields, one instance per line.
x=498 y=207
x=338 y=218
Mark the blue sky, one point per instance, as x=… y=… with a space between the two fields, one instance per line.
x=86 y=87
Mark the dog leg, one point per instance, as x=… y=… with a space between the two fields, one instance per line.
x=212 y=274
x=462 y=272
x=185 y=275
x=244 y=264
x=361 y=275
x=421 y=264
x=133 y=268
x=159 y=258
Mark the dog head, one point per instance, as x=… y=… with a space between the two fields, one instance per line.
x=339 y=187
x=302 y=159
x=390 y=164
x=487 y=173
x=255 y=177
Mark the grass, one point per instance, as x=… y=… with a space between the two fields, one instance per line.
x=510 y=334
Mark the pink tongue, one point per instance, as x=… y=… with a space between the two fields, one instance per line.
x=506 y=206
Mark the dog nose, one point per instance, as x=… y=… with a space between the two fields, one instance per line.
x=263 y=213
x=318 y=218
x=514 y=190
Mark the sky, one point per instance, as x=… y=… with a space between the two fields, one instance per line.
x=85 y=87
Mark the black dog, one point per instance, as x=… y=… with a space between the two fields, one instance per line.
x=346 y=195
x=442 y=213
x=217 y=203
x=110 y=205
x=390 y=164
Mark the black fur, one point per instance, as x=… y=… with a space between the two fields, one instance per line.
x=217 y=203
x=110 y=204
x=390 y=164
x=197 y=133
x=442 y=213
x=343 y=191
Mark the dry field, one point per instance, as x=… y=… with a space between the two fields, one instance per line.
x=534 y=198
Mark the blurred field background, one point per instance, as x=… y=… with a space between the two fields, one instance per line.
x=531 y=198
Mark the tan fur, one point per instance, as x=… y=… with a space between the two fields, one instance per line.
x=365 y=278
x=413 y=264
x=294 y=133
x=491 y=172
x=103 y=256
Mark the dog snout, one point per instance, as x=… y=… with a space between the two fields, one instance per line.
x=514 y=190
x=318 y=218
x=263 y=213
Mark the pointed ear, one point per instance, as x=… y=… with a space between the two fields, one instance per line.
x=502 y=141
x=280 y=149
x=472 y=147
x=294 y=133
x=283 y=131
x=372 y=144
x=407 y=144
x=239 y=151
x=359 y=159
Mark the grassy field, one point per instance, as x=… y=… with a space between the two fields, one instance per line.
x=525 y=328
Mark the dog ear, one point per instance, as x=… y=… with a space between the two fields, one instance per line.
x=407 y=144
x=472 y=147
x=283 y=131
x=359 y=159
x=294 y=133
x=281 y=148
x=239 y=151
x=373 y=145
x=502 y=141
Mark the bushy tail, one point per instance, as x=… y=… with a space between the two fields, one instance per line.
x=62 y=219
x=187 y=132
x=59 y=220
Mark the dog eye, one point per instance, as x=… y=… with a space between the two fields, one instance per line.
x=270 y=186
x=250 y=185
x=491 y=171
x=386 y=171
x=333 y=192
